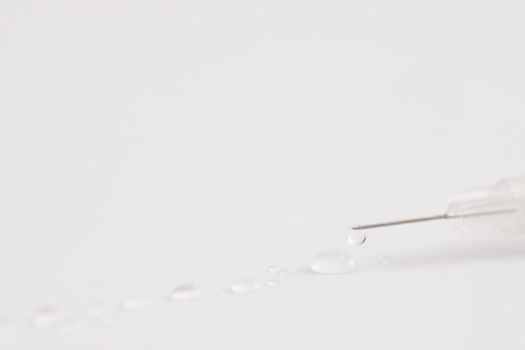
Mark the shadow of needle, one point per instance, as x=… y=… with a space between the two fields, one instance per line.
x=505 y=249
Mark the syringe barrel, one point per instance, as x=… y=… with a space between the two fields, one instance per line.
x=499 y=208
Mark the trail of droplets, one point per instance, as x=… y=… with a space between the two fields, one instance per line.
x=328 y=262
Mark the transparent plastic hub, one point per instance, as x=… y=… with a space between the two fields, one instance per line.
x=499 y=208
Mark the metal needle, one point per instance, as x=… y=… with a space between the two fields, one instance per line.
x=427 y=218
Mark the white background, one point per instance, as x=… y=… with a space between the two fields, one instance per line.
x=148 y=144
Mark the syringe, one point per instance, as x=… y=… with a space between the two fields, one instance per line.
x=499 y=208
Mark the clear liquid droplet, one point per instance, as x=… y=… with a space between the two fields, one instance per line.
x=5 y=325
x=355 y=237
x=185 y=292
x=45 y=316
x=334 y=262
x=102 y=310
x=275 y=270
x=274 y=281
x=71 y=324
x=386 y=260
x=136 y=304
x=105 y=313
x=245 y=285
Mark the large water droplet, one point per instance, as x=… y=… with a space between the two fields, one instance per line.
x=355 y=237
x=334 y=262
x=185 y=292
x=245 y=285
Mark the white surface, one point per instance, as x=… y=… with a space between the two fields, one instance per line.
x=148 y=144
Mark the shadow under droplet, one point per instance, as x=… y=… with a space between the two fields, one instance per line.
x=505 y=249
x=305 y=271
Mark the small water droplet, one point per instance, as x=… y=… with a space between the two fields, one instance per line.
x=105 y=313
x=275 y=270
x=386 y=260
x=274 y=281
x=355 y=237
x=136 y=304
x=283 y=272
x=71 y=324
x=334 y=262
x=102 y=310
x=185 y=292
x=4 y=326
x=245 y=285
x=45 y=316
